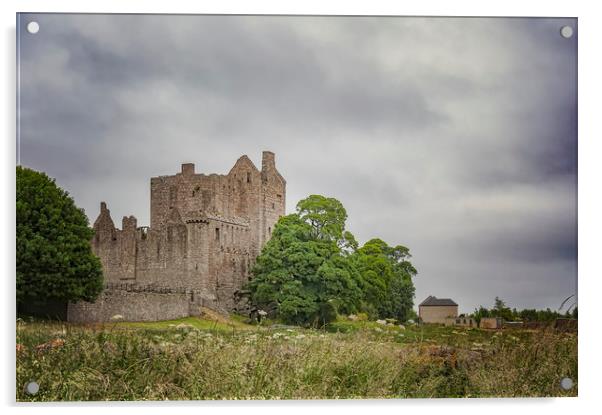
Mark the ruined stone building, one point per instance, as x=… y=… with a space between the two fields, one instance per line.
x=204 y=235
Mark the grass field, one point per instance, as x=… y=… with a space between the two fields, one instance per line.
x=194 y=358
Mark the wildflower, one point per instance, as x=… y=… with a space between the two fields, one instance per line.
x=184 y=326
x=20 y=348
x=262 y=313
x=165 y=344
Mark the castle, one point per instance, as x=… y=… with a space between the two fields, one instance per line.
x=204 y=236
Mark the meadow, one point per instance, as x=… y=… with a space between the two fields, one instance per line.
x=194 y=358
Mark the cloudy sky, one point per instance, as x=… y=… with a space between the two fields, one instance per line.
x=455 y=137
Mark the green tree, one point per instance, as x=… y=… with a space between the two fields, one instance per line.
x=54 y=256
x=302 y=276
x=500 y=310
x=528 y=314
x=326 y=217
x=386 y=279
x=312 y=269
x=480 y=313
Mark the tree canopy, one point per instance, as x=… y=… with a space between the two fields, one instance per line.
x=386 y=279
x=311 y=269
x=501 y=310
x=54 y=256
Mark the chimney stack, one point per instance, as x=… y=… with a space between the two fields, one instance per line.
x=187 y=169
x=268 y=161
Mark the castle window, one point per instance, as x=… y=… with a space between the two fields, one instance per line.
x=248 y=177
x=270 y=230
x=273 y=206
x=279 y=197
x=217 y=234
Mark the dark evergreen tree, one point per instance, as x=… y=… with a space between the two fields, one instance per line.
x=54 y=256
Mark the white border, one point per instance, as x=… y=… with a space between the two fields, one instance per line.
x=590 y=201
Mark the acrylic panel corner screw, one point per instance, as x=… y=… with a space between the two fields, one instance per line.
x=33 y=27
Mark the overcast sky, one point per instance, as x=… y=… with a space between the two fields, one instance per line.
x=455 y=137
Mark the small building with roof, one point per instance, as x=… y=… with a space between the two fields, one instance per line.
x=437 y=310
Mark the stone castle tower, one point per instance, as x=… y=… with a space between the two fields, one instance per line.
x=204 y=235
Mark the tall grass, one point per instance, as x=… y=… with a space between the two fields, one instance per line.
x=180 y=361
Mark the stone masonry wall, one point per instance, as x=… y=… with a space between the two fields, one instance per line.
x=132 y=305
x=437 y=314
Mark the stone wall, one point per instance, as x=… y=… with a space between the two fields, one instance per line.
x=491 y=323
x=132 y=305
x=437 y=314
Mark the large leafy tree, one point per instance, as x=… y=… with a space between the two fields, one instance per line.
x=54 y=256
x=312 y=269
x=326 y=217
x=302 y=275
x=386 y=279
